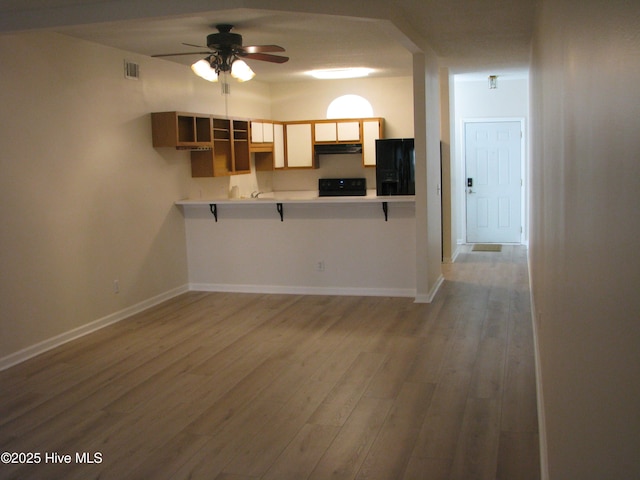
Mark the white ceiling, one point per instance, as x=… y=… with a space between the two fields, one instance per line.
x=467 y=35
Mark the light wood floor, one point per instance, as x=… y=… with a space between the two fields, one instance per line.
x=248 y=386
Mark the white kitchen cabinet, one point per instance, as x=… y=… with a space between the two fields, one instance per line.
x=261 y=132
x=278 y=145
x=325 y=132
x=338 y=131
x=270 y=155
x=349 y=131
x=299 y=145
x=256 y=132
x=371 y=131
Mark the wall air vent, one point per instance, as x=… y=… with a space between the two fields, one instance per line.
x=131 y=70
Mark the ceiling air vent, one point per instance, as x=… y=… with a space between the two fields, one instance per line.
x=131 y=70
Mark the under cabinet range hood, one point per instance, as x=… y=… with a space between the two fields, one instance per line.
x=337 y=148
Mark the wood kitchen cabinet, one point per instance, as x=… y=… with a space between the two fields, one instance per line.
x=262 y=144
x=223 y=146
x=241 y=158
x=270 y=156
x=293 y=144
x=229 y=154
x=181 y=130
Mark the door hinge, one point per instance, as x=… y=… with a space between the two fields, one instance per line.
x=520 y=228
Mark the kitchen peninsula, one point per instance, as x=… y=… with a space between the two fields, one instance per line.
x=298 y=242
x=299 y=197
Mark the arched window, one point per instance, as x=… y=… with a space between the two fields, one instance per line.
x=350 y=106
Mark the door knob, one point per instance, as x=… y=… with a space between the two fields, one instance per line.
x=470 y=191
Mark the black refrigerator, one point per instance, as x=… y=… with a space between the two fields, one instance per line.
x=395 y=166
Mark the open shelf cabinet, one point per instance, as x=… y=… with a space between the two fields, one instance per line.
x=181 y=130
x=230 y=150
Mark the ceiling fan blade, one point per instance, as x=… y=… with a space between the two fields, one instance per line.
x=262 y=48
x=185 y=53
x=192 y=45
x=265 y=57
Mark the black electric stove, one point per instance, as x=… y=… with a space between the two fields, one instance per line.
x=339 y=187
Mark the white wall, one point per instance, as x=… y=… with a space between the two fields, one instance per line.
x=390 y=98
x=250 y=249
x=426 y=98
x=447 y=125
x=585 y=223
x=84 y=197
x=474 y=100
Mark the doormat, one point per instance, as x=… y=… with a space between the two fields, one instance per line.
x=487 y=247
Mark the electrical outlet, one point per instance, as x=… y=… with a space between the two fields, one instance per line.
x=116 y=286
x=320 y=266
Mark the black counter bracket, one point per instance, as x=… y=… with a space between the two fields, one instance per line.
x=279 y=207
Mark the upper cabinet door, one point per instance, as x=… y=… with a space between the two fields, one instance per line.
x=299 y=145
x=340 y=131
x=267 y=132
x=349 y=131
x=371 y=131
x=325 y=132
x=256 y=132
x=278 y=145
x=261 y=132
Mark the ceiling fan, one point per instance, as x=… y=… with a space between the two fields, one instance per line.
x=225 y=55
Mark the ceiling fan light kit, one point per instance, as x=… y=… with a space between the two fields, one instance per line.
x=226 y=54
x=204 y=70
x=207 y=69
x=241 y=71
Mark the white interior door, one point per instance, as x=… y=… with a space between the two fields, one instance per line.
x=494 y=182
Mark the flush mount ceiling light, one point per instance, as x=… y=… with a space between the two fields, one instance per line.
x=225 y=56
x=337 y=73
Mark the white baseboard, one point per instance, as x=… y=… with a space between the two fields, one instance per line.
x=453 y=257
x=41 y=347
x=428 y=298
x=288 y=289
x=46 y=345
x=456 y=253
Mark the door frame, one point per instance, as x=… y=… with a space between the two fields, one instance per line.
x=523 y=172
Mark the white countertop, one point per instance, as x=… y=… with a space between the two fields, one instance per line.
x=295 y=196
